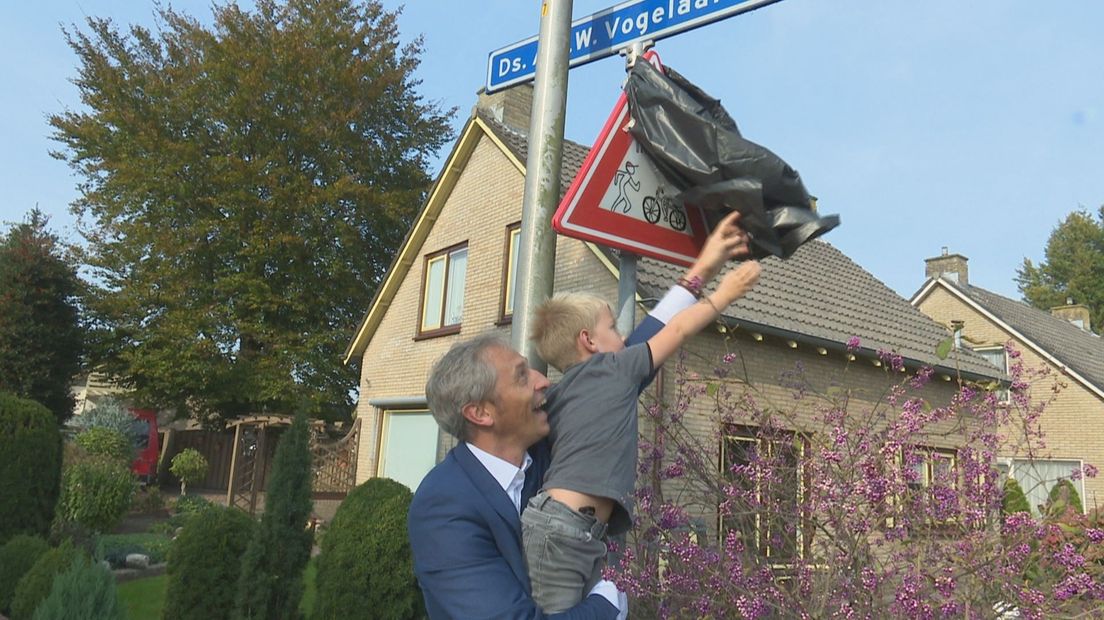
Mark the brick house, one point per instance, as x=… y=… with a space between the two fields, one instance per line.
x=1060 y=340
x=452 y=279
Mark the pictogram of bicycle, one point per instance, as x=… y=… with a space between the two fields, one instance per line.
x=666 y=208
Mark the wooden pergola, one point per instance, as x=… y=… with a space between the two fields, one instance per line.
x=333 y=462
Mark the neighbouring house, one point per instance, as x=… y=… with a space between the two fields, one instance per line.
x=453 y=279
x=1060 y=340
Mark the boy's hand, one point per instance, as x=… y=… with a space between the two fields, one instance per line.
x=726 y=242
x=737 y=282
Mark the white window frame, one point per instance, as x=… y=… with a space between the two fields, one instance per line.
x=386 y=416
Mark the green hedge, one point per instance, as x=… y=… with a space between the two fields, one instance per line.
x=369 y=567
x=96 y=493
x=17 y=556
x=30 y=468
x=106 y=442
x=205 y=564
x=84 y=591
x=35 y=586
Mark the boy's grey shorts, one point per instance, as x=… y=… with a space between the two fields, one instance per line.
x=565 y=551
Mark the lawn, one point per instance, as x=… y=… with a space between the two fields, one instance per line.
x=144 y=598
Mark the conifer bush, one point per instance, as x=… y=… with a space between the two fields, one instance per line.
x=369 y=567
x=35 y=586
x=271 y=584
x=1063 y=496
x=1014 y=499
x=96 y=492
x=205 y=564
x=17 y=556
x=85 y=591
x=30 y=467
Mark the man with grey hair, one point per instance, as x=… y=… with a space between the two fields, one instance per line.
x=464 y=522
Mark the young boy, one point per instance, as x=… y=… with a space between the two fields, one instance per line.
x=592 y=413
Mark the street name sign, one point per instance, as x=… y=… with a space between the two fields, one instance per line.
x=601 y=34
x=621 y=200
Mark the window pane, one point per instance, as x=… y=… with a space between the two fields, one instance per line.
x=434 y=288
x=511 y=273
x=454 y=298
x=408 y=449
x=1038 y=477
x=994 y=357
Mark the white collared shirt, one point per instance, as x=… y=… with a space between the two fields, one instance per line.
x=509 y=476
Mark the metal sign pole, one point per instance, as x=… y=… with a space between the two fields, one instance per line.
x=537 y=259
x=626 y=271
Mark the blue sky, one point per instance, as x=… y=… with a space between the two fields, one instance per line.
x=973 y=125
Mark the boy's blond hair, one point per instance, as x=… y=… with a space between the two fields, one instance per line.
x=557 y=323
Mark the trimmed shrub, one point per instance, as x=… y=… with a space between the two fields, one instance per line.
x=205 y=564
x=96 y=493
x=35 y=586
x=271 y=583
x=110 y=443
x=369 y=567
x=17 y=556
x=30 y=469
x=190 y=467
x=1014 y=499
x=1063 y=496
x=85 y=591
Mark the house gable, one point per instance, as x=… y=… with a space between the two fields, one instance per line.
x=937 y=291
x=473 y=134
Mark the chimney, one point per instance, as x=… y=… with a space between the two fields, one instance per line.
x=949 y=266
x=1078 y=314
x=512 y=107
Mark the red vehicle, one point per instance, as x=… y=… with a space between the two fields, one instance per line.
x=148 y=443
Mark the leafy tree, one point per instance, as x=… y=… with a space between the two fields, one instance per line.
x=272 y=569
x=41 y=338
x=1073 y=269
x=249 y=183
x=204 y=564
x=30 y=467
x=190 y=466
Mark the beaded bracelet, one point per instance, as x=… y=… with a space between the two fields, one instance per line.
x=693 y=285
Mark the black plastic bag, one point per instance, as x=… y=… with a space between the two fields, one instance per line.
x=697 y=146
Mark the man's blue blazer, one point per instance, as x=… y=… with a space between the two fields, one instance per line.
x=466 y=538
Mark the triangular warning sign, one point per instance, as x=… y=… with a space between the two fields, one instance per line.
x=620 y=199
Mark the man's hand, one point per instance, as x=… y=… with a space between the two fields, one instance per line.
x=727 y=241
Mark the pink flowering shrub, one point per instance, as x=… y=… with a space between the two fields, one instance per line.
x=827 y=506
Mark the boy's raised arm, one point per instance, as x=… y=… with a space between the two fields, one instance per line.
x=693 y=319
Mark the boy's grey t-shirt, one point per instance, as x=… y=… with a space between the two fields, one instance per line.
x=592 y=412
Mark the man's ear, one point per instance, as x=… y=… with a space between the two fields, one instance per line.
x=584 y=342
x=478 y=414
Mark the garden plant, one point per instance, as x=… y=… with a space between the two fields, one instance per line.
x=889 y=507
x=190 y=467
x=369 y=567
x=30 y=470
